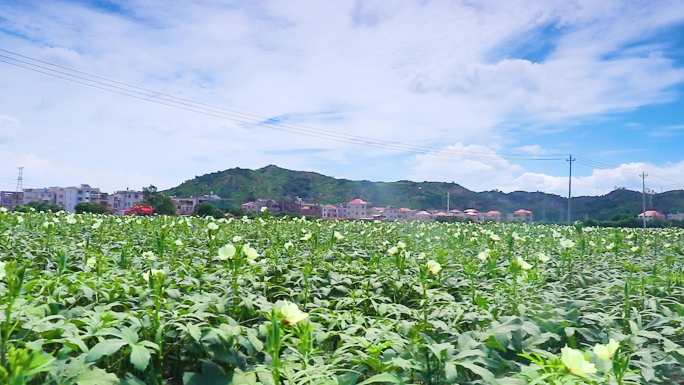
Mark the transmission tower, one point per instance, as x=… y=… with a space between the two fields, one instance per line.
x=20 y=185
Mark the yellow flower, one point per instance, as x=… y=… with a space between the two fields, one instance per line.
x=483 y=255
x=288 y=245
x=306 y=237
x=566 y=243
x=576 y=363
x=522 y=263
x=290 y=312
x=237 y=239
x=212 y=226
x=606 y=352
x=148 y=255
x=434 y=267
x=543 y=257
x=250 y=252
x=392 y=250
x=178 y=243
x=401 y=245
x=338 y=235
x=226 y=252
x=154 y=272
x=90 y=262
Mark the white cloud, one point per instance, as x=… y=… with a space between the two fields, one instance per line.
x=483 y=168
x=480 y=166
x=417 y=72
x=531 y=149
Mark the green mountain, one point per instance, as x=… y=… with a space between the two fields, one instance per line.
x=239 y=185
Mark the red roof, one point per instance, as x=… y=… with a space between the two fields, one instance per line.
x=357 y=201
x=493 y=213
x=469 y=211
x=652 y=214
x=522 y=212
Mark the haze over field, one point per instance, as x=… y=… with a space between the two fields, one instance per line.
x=485 y=86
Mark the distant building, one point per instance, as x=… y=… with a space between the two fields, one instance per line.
x=123 y=200
x=406 y=213
x=493 y=215
x=184 y=206
x=38 y=195
x=329 y=212
x=11 y=199
x=472 y=214
x=310 y=209
x=391 y=213
x=522 y=215
x=422 y=216
x=188 y=206
x=357 y=208
x=676 y=217
x=256 y=206
x=457 y=213
x=652 y=215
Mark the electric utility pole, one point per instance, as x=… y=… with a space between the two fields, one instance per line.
x=643 y=198
x=448 y=201
x=570 y=160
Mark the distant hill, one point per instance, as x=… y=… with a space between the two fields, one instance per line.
x=239 y=185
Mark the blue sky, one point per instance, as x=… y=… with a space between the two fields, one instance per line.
x=455 y=91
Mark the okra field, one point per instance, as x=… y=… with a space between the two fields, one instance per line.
x=97 y=299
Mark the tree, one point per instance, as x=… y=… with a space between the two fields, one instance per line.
x=208 y=210
x=162 y=204
x=90 y=207
x=38 y=206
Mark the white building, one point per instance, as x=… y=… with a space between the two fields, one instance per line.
x=121 y=201
x=357 y=208
x=676 y=217
x=38 y=195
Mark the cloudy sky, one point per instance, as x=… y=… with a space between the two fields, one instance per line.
x=489 y=94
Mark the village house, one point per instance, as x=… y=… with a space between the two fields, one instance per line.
x=357 y=208
x=652 y=215
x=522 y=215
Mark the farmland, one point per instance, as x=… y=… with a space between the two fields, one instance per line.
x=96 y=299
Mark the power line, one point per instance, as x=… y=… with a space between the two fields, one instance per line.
x=125 y=89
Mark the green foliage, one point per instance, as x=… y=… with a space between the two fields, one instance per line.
x=90 y=207
x=91 y=299
x=162 y=203
x=38 y=206
x=208 y=210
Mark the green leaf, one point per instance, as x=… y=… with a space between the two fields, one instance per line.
x=129 y=335
x=480 y=371
x=211 y=374
x=96 y=376
x=242 y=378
x=195 y=332
x=140 y=357
x=383 y=377
x=104 y=348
